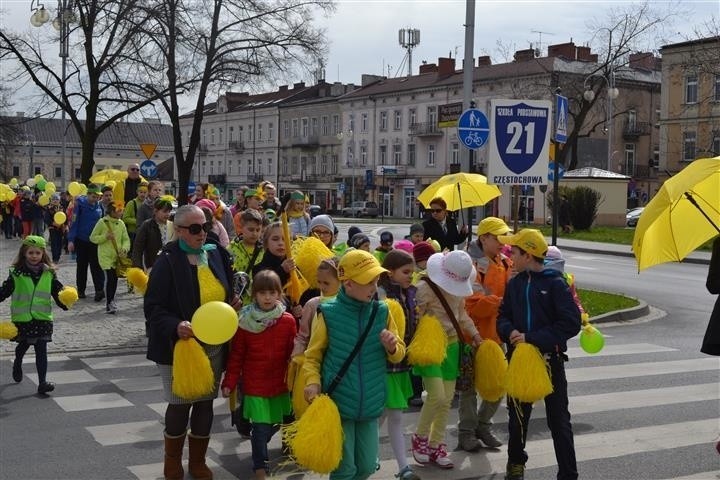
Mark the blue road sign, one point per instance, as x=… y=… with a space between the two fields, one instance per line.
x=191 y=187
x=473 y=128
x=520 y=141
x=148 y=168
x=341 y=187
x=551 y=171
x=561 y=119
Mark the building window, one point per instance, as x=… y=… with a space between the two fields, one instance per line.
x=364 y=123
x=383 y=121
x=294 y=166
x=689 y=140
x=630 y=159
x=250 y=134
x=383 y=154
x=305 y=127
x=16 y=171
x=334 y=164
x=231 y=133
x=397 y=154
x=691 y=88
x=286 y=128
x=271 y=131
x=285 y=166
x=323 y=164
x=411 y=155
x=716 y=144
x=336 y=124
x=314 y=126
x=325 y=125
x=212 y=136
x=363 y=155
x=58 y=171
x=270 y=167
x=78 y=174
x=250 y=167
x=38 y=169
x=431 y=155
x=455 y=153
x=260 y=132
x=432 y=115
x=397 y=120
x=413 y=116
x=204 y=137
x=259 y=166
x=295 y=129
x=656 y=156
x=351 y=122
x=717 y=89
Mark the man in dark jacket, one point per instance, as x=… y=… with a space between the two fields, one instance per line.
x=442 y=228
x=539 y=309
x=86 y=213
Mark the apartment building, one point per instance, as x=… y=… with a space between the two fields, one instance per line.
x=690 y=105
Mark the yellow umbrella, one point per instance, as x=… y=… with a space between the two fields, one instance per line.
x=460 y=190
x=684 y=214
x=296 y=286
x=112 y=175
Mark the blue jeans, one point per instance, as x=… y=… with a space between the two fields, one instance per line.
x=558 y=420
x=259 y=437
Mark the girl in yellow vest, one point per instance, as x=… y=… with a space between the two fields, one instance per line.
x=31 y=283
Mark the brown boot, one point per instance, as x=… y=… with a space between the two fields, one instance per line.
x=173 y=469
x=198 y=448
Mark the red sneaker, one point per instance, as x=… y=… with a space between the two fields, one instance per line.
x=439 y=456
x=421 y=449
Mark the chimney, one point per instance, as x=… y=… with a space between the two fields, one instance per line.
x=283 y=88
x=428 y=68
x=563 y=50
x=583 y=54
x=298 y=85
x=20 y=114
x=484 y=61
x=367 y=79
x=446 y=66
x=642 y=61
x=524 y=55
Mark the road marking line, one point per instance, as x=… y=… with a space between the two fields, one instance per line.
x=621 y=349
x=630 y=370
x=117 y=361
x=98 y=401
x=129 y=432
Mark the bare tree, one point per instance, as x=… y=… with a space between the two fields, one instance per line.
x=107 y=78
x=209 y=45
x=9 y=132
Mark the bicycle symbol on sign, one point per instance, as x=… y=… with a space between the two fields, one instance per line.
x=474 y=139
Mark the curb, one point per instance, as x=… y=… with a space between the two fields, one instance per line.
x=698 y=261
x=625 y=315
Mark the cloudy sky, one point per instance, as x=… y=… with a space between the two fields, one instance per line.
x=363 y=34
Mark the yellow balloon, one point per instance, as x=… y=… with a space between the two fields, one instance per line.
x=74 y=189
x=83 y=189
x=43 y=200
x=59 y=218
x=215 y=323
x=39 y=177
x=50 y=188
x=13 y=182
x=110 y=183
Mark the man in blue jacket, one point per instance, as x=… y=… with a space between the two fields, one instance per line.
x=86 y=213
x=539 y=309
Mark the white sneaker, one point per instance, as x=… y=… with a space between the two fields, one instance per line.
x=439 y=456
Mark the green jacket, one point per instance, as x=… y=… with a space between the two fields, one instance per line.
x=361 y=393
x=30 y=301
x=129 y=217
x=107 y=257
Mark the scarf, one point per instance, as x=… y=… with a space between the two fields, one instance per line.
x=255 y=320
x=200 y=252
x=34 y=269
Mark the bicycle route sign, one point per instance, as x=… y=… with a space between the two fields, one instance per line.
x=520 y=144
x=473 y=128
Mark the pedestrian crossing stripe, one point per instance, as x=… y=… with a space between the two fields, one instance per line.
x=644 y=369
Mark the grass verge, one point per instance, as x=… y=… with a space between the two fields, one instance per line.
x=596 y=303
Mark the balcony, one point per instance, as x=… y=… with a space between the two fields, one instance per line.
x=237 y=145
x=427 y=129
x=645 y=171
x=309 y=141
x=633 y=130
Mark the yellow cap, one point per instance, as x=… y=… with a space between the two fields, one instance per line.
x=359 y=266
x=493 y=225
x=529 y=239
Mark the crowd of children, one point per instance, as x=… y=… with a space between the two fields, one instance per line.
x=342 y=339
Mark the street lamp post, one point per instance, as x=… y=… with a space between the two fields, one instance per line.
x=612 y=94
x=61 y=23
x=350 y=159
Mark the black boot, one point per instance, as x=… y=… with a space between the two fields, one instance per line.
x=17 y=370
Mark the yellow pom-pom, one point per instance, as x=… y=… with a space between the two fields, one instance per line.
x=138 y=279
x=320 y=425
x=395 y=311
x=308 y=253
x=490 y=371
x=528 y=379
x=192 y=375
x=429 y=344
x=8 y=330
x=296 y=384
x=68 y=296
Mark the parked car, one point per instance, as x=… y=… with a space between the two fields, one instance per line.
x=315 y=210
x=361 y=209
x=632 y=216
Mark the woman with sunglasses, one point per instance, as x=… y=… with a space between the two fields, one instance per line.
x=443 y=228
x=186 y=274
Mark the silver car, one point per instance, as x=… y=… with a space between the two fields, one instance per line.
x=361 y=209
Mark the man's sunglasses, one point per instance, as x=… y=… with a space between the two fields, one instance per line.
x=196 y=228
x=437 y=210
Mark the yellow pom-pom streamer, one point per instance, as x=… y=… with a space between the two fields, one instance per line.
x=490 y=371
x=528 y=379
x=308 y=252
x=8 y=330
x=68 y=296
x=138 y=279
x=395 y=311
x=319 y=426
x=429 y=344
x=296 y=382
x=192 y=375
